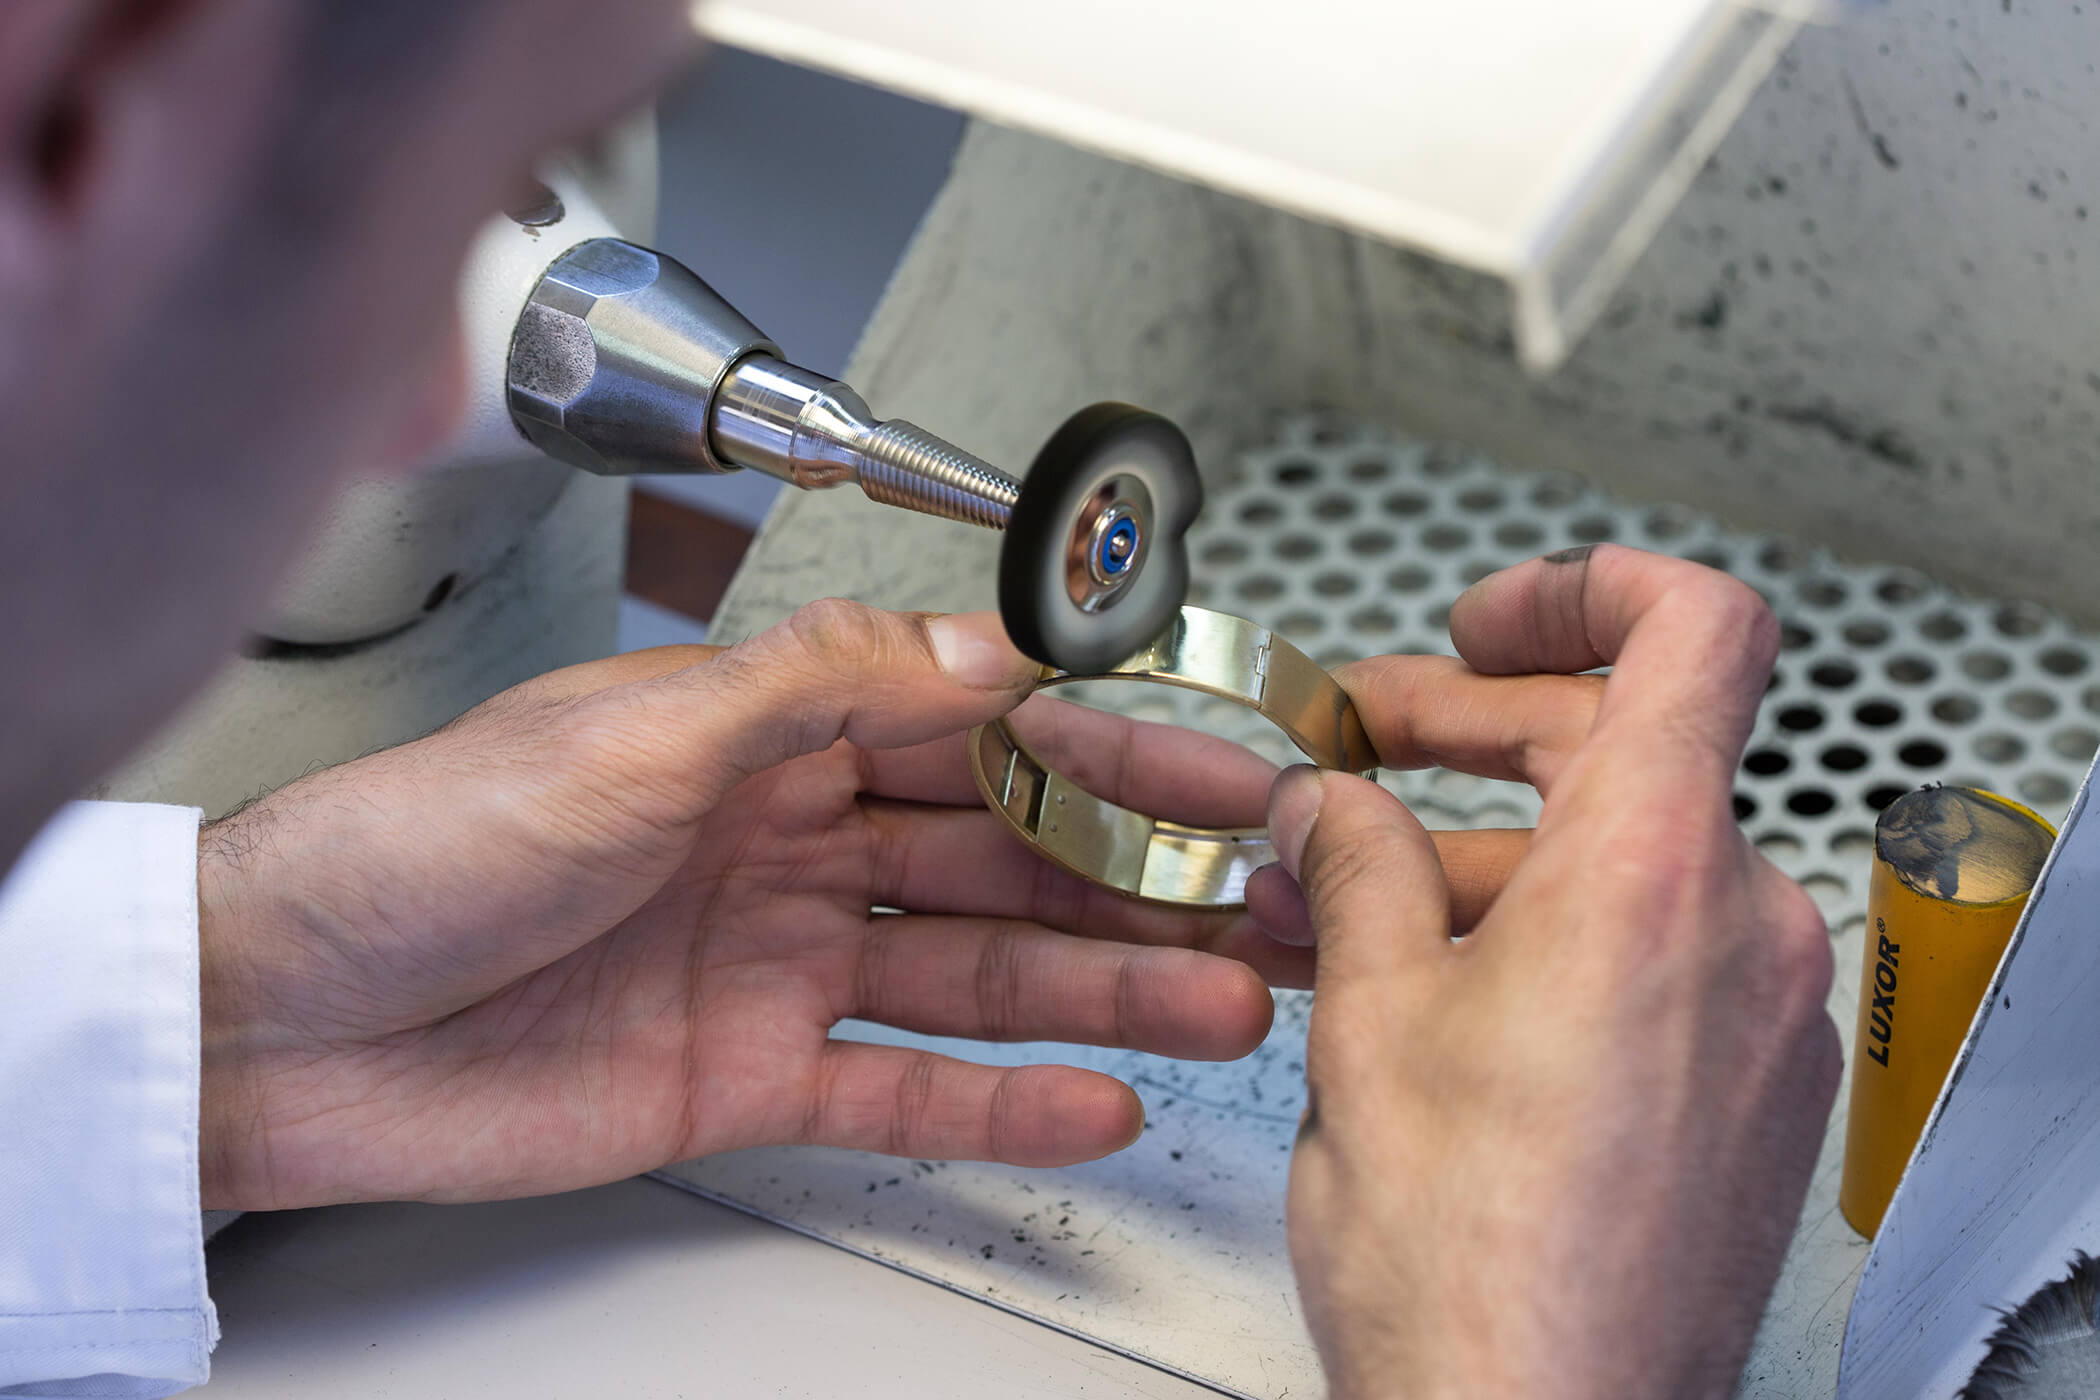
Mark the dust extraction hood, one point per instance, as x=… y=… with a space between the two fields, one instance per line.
x=1538 y=141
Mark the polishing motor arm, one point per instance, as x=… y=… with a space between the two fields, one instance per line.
x=624 y=361
x=619 y=360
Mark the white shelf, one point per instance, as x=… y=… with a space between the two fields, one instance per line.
x=1539 y=141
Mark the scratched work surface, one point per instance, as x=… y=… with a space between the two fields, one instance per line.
x=1352 y=542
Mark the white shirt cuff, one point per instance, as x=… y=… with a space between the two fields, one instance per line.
x=102 y=1286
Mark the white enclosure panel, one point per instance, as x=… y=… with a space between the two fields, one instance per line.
x=1536 y=140
x=2005 y=1183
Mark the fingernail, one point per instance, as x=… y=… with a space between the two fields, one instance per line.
x=1294 y=805
x=973 y=650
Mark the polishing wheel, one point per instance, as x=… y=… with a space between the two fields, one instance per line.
x=1095 y=563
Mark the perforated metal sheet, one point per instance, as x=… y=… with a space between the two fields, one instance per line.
x=1352 y=543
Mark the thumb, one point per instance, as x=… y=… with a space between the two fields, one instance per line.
x=839 y=670
x=1372 y=880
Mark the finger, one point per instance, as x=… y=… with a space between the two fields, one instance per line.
x=1477 y=864
x=1438 y=712
x=1160 y=769
x=835 y=670
x=1008 y=979
x=952 y=860
x=1370 y=873
x=1277 y=904
x=1690 y=647
x=911 y=1103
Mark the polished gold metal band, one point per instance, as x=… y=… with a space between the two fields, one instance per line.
x=1163 y=861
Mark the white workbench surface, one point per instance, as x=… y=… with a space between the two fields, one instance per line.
x=631 y=1290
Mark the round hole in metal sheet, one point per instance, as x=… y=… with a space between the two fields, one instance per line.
x=1335 y=584
x=1440 y=462
x=1866 y=632
x=2030 y=704
x=1478 y=569
x=1910 y=670
x=1301 y=626
x=1295 y=471
x=2000 y=748
x=1880 y=797
x=2063 y=661
x=1843 y=758
x=1828 y=891
x=1943 y=627
x=1438 y=618
x=1373 y=620
x=1519 y=534
x=1809 y=802
x=1801 y=718
x=1592 y=529
x=1745 y=807
x=1821 y=592
x=1955 y=709
x=1329 y=658
x=1794 y=637
x=2075 y=742
x=1852 y=843
x=2044 y=788
x=1259 y=588
x=1899 y=588
x=1712 y=558
x=1223 y=552
x=1480 y=499
x=1199 y=591
x=1878 y=714
x=1765 y=762
x=1923 y=753
x=1365 y=543
x=1261 y=511
x=1555 y=492
x=1833 y=675
x=2018 y=619
x=1667 y=523
x=1330 y=434
x=1369 y=469
x=1779 y=844
x=1408 y=578
x=1780 y=557
x=1296 y=547
x=1444 y=537
x=1335 y=507
x=1985 y=666
x=1405 y=503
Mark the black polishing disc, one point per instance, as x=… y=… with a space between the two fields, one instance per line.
x=1095 y=563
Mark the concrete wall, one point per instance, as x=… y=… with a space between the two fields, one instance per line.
x=1873 y=323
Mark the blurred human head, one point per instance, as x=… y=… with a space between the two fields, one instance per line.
x=230 y=235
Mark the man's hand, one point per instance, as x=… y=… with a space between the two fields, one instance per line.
x=1563 y=1155
x=608 y=919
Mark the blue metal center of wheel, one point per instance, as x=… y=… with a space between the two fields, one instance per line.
x=1119 y=547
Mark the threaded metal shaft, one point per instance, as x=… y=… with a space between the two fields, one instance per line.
x=904 y=465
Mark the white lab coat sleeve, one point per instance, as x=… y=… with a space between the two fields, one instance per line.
x=101 y=1244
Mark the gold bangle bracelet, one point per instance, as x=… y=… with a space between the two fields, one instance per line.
x=1160 y=861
